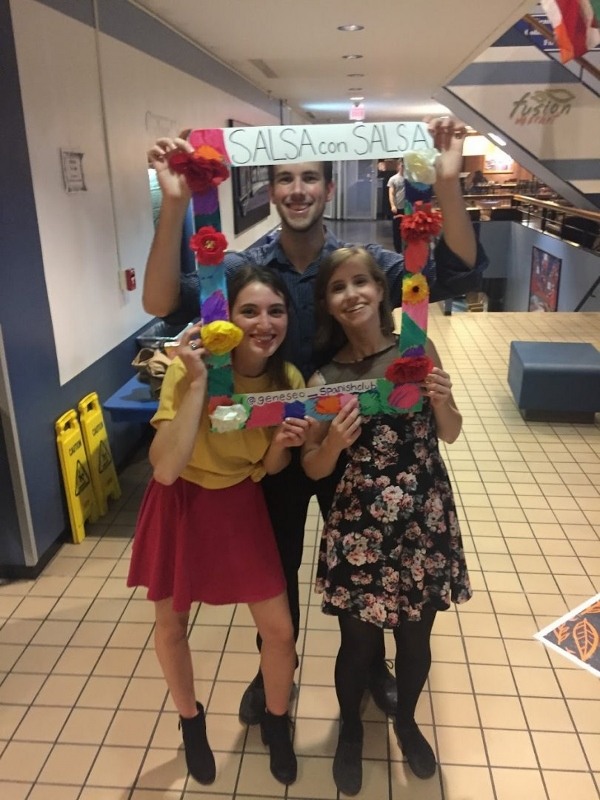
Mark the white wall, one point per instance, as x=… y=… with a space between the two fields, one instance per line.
x=89 y=93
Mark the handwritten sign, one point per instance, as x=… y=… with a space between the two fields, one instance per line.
x=272 y=144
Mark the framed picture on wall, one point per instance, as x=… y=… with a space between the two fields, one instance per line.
x=250 y=186
x=497 y=161
x=544 y=281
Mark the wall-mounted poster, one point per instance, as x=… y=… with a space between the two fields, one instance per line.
x=545 y=278
x=250 y=187
x=496 y=160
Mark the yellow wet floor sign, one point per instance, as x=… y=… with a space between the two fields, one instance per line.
x=81 y=500
x=102 y=469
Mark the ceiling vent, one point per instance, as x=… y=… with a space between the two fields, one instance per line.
x=263 y=67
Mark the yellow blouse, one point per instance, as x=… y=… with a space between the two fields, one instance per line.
x=220 y=460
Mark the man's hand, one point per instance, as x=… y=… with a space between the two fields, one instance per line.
x=448 y=135
x=173 y=186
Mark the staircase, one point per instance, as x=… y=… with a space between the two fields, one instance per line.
x=548 y=116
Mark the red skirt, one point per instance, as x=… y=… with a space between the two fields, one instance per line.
x=205 y=545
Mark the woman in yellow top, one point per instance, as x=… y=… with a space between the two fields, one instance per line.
x=203 y=532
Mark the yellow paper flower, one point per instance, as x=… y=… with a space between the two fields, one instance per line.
x=220 y=336
x=419 y=165
x=414 y=289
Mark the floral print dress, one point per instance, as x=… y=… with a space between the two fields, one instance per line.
x=391 y=542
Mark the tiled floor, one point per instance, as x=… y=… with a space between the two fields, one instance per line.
x=84 y=713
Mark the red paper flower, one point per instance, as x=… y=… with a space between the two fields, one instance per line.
x=203 y=168
x=409 y=370
x=423 y=223
x=209 y=246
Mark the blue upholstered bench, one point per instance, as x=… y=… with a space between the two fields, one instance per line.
x=555 y=381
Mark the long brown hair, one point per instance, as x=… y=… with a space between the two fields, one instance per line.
x=242 y=277
x=330 y=336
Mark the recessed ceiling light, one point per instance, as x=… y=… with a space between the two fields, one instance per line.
x=355 y=89
x=357 y=99
x=351 y=27
x=352 y=55
x=356 y=75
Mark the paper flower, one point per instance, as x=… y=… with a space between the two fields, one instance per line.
x=265 y=416
x=295 y=410
x=409 y=370
x=220 y=336
x=417 y=350
x=405 y=396
x=419 y=166
x=209 y=245
x=414 y=289
x=228 y=418
x=369 y=403
x=328 y=405
x=203 y=168
x=423 y=223
x=214 y=307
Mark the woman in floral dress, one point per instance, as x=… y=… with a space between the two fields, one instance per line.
x=391 y=552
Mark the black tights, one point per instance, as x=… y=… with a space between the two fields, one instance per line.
x=358 y=651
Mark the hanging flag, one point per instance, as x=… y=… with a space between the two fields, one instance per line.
x=574 y=26
x=596 y=9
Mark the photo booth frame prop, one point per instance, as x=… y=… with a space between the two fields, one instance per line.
x=217 y=149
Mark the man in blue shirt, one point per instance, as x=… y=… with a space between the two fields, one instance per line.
x=300 y=193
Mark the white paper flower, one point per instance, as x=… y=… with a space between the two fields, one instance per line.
x=419 y=165
x=228 y=418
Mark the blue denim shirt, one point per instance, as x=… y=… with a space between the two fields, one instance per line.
x=448 y=276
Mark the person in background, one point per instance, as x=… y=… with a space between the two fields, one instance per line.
x=397 y=195
x=299 y=192
x=475 y=182
x=391 y=553
x=203 y=532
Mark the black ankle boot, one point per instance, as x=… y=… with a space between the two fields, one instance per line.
x=277 y=735
x=382 y=685
x=416 y=749
x=198 y=755
x=253 y=702
x=347 y=762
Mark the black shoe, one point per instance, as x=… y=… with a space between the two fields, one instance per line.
x=253 y=702
x=277 y=735
x=198 y=755
x=347 y=766
x=382 y=685
x=417 y=750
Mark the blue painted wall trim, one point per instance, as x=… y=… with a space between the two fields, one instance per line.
x=28 y=335
x=81 y=10
x=573 y=169
x=502 y=73
x=133 y=26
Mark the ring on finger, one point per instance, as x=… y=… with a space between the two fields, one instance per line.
x=193 y=345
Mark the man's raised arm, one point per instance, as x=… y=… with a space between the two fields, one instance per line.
x=161 y=292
